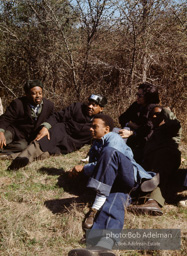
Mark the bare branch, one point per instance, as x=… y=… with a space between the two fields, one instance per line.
x=8 y=88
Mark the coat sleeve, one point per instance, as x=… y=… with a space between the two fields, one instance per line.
x=129 y=114
x=61 y=116
x=171 y=116
x=11 y=114
x=51 y=108
x=170 y=129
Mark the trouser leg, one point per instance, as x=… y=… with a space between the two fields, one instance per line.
x=112 y=167
x=157 y=196
x=9 y=138
x=12 y=145
x=112 y=213
x=32 y=151
x=60 y=142
x=110 y=220
x=17 y=146
x=166 y=162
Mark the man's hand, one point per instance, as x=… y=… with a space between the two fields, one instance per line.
x=75 y=170
x=42 y=133
x=124 y=133
x=2 y=140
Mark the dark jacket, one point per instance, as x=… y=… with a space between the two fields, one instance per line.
x=137 y=114
x=161 y=137
x=70 y=130
x=161 y=155
x=17 y=118
x=133 y=113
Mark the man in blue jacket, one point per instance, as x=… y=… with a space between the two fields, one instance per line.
x=113 y=174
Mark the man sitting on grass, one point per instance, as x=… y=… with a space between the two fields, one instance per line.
x=114 y=175
x=64 y=132
x=21 y=122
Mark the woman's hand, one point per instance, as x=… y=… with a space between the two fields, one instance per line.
x=124 y=133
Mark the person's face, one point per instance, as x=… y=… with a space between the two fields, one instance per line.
x=35 y=95
x=140 y=97
x=99 y=129
x=157 y=116
x=93 y=108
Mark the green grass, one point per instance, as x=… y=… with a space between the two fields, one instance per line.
x=35 y=218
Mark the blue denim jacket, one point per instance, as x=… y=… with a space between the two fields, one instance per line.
x=115 y=141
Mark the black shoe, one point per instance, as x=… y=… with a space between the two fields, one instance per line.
x=90 y=252
x=18 y=162
x=151 y=207
x=150 y=185
x=80 y=252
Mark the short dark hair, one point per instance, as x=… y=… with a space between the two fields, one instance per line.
x=32 y=83
x=150 y=93
x=106 y=119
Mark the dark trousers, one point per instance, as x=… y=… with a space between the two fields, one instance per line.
x=166 y=162
x=32 y=152
x=110 y=220
x=113 y=171
x=113 y=177
x=60 y=141
x=13 y=146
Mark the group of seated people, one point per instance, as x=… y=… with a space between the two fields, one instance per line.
x=141 y=159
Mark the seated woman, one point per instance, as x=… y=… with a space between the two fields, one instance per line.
x=134 y=119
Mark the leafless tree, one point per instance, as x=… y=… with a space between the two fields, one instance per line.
x=77 y=47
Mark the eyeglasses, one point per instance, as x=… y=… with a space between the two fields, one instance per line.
x=139 y=95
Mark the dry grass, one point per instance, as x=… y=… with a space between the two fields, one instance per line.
x=40 y=217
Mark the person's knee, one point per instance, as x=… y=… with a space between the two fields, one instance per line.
x=17 y=146
x=108 y=151
x=22 y=144
x=8 y=136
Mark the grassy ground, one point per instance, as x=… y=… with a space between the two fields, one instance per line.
x=41 y=214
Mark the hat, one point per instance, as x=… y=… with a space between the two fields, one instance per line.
x=32 y=83
x=100 y=100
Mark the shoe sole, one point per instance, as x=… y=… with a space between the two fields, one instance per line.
x=150 y=185
x=80 y=252
x=144 y=211
x=85 y=252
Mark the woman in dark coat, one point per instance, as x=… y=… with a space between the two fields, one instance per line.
x=136 y=117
